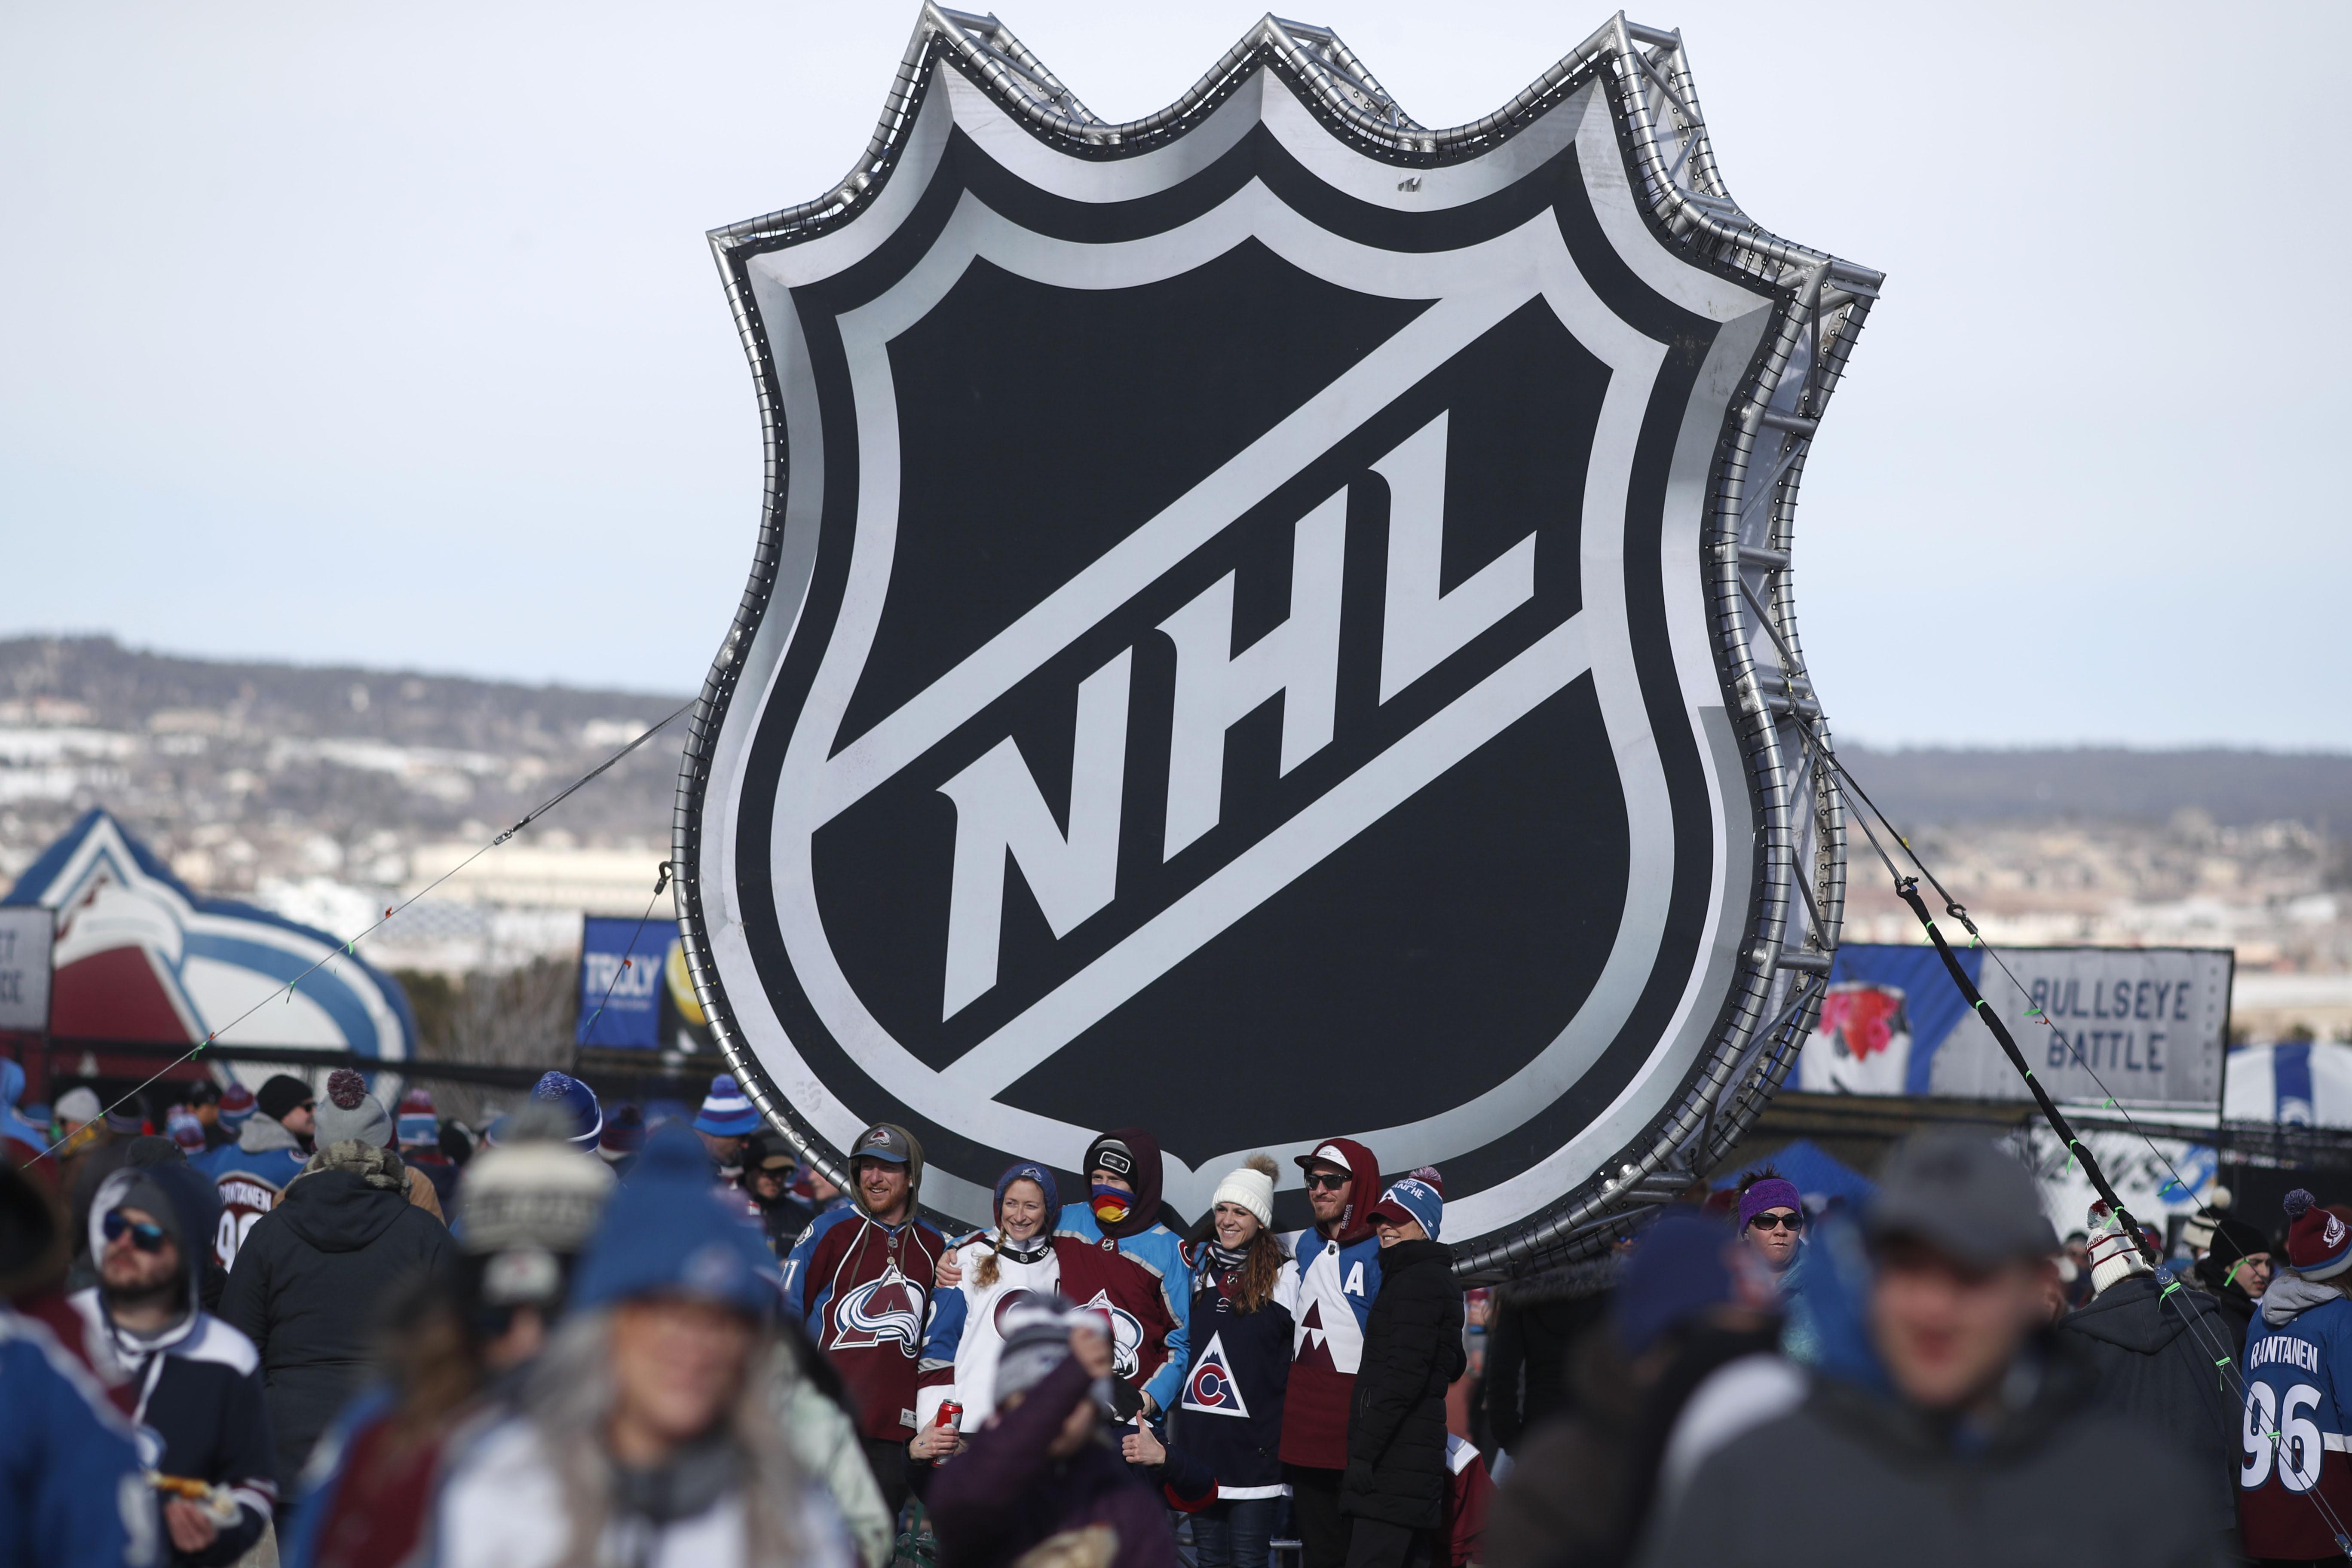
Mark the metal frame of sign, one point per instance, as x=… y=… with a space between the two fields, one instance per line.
x=1798 y=878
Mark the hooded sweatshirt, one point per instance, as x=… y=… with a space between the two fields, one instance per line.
x=1133 y=1268
x=1338 y=1278
x=2154 y=1346
x=963 y=1341
x=199 y=1406
x=2298 y=1384
x=863 y=1290
x=312 y=1278
x=249 y=1174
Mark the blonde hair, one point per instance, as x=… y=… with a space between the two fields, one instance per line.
x=570 y=1400
x=985 y=1272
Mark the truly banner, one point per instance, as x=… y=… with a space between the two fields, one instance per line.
x=2145 y=1027
x=620 y=981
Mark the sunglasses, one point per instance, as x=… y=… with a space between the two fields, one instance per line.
x=1775 y=1221
x=145 y=1235
x=1324 y=1180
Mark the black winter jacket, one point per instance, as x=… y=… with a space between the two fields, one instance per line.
x=2153 y=1348
x=312 y=1279
x=1536 y=1323
x=1396 y=1426
x=2053 y=1485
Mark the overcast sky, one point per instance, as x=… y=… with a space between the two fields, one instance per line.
x=390 y=334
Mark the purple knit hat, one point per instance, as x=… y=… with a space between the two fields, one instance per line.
x=1771 y=1193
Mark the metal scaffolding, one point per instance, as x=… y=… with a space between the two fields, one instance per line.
x=1798 y=845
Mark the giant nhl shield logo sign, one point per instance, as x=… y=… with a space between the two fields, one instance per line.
x=1271 y=622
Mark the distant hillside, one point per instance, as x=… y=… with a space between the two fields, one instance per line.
x=1937 y=787
x=124 y=689
x=97 y=683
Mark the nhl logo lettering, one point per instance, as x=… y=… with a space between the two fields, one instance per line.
x=1236 y=602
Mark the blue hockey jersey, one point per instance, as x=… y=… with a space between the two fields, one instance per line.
x=72 y=1494
x=2293 y=1473
x=1161 y=1254
x=249 y=1174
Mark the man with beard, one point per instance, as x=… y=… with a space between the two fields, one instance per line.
x=199 y=1400
x=859 y=1281
x=1339 y=1279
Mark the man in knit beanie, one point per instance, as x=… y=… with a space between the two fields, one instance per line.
x=1980 y=1445
x=273 y=1140
x=2293 y=1483
x=527 y=1209
x=345 y=1236
x=2154 y=1344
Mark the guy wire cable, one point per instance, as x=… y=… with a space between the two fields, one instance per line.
x=629 y=953
x=351 y=946
x=1907 y=888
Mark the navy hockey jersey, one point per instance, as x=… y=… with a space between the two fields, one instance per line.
x=2293 y=1433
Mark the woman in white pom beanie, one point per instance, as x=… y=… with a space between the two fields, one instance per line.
x=1244 y=1291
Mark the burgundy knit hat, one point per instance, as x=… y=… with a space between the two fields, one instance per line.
x=2318 y=1244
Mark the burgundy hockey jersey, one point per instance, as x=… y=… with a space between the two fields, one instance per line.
x=863 y=1290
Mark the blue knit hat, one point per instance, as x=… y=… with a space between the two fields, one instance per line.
x=577 y=1102
x=665 y=1233
x=1044 y=1180
x=1411 y=1199
x=1677 y=1269
x=727 y=1110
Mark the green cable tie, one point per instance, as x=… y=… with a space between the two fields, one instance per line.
x=2168 y=1291
x=2110 y=1105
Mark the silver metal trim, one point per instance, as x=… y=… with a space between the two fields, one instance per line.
x=1799 y=844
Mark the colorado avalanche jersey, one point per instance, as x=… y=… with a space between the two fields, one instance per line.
x=2293 y=1433
x=1231 y=1416
x=1337 y=1285
x=249 y=1182
x=966 y=1336
x=1160 y=1253
x=1146 y=1336
x=863 y=1290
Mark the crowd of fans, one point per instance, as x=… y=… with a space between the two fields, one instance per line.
x=326 y=1331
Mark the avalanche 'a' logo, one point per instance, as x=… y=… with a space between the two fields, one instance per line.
x=1211 y=1389
x=1125 y=1334
x=877 y=1311
x=1006 y=1303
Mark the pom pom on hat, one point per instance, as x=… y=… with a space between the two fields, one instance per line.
x=578 y=1103
x=2318 y=1243
x=348 y=1113
x=1250 y=1188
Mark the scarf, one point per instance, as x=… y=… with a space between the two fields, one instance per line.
x=1226 y=1259
x=1033 y=1250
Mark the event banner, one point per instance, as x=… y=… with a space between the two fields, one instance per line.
x=25 y=937
x=2144 y=1025
x=620 y=981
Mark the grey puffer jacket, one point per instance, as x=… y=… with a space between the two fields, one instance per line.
x=2054 y=1484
